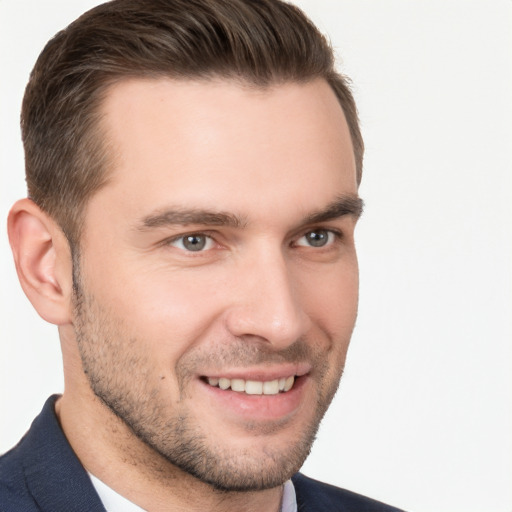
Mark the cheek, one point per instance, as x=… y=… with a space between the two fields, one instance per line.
x=331 y=300
x=333 y=309
x=167 y=311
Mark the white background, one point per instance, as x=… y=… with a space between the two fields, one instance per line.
x=423 y=419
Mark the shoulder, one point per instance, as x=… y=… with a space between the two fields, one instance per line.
x=42 y=472
x=14 y=494
x=313 y=495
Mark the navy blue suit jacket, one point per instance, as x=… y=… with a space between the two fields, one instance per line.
x=42 y=474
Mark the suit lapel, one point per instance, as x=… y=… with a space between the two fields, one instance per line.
x=54 y=475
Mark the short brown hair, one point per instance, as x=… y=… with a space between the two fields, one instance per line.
x=260 y=42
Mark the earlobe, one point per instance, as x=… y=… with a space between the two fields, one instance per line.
x=43 y=261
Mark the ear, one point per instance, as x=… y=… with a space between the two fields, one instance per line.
x=43 y=261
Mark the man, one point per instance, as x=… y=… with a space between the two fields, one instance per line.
x=193 y=172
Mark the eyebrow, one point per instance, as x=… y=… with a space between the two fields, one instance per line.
x=347 y=205
x=192 y=216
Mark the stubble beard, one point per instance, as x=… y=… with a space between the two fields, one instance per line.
x=120 y=376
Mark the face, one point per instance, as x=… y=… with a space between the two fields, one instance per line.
x=217 y=280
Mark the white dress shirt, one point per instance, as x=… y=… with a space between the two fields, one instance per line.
x=114 y=502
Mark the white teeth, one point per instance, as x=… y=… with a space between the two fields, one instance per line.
x=289 y=383
x=254 y=387
x=271 y=387
x=224 y=383
x=237 y=384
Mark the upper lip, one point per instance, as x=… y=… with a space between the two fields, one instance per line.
x=262 y=374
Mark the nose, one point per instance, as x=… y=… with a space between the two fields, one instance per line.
x=267 y=303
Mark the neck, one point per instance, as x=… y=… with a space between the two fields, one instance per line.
x=109 y=450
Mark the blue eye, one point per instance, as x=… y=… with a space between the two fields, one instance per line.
x=193 y=243
x=317 y=238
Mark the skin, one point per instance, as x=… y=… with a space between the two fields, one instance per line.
x=252 y=173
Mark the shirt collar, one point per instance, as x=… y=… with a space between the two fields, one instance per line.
x=114 y=502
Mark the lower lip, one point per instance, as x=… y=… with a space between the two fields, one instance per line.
x=258 y=407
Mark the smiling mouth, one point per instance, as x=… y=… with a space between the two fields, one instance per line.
x=253 y=387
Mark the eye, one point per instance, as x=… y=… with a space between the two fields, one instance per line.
x=193 y=243
x=317 y=238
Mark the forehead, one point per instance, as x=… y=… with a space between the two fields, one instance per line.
x=208 y=141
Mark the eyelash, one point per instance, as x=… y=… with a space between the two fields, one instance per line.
x=336 y=234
